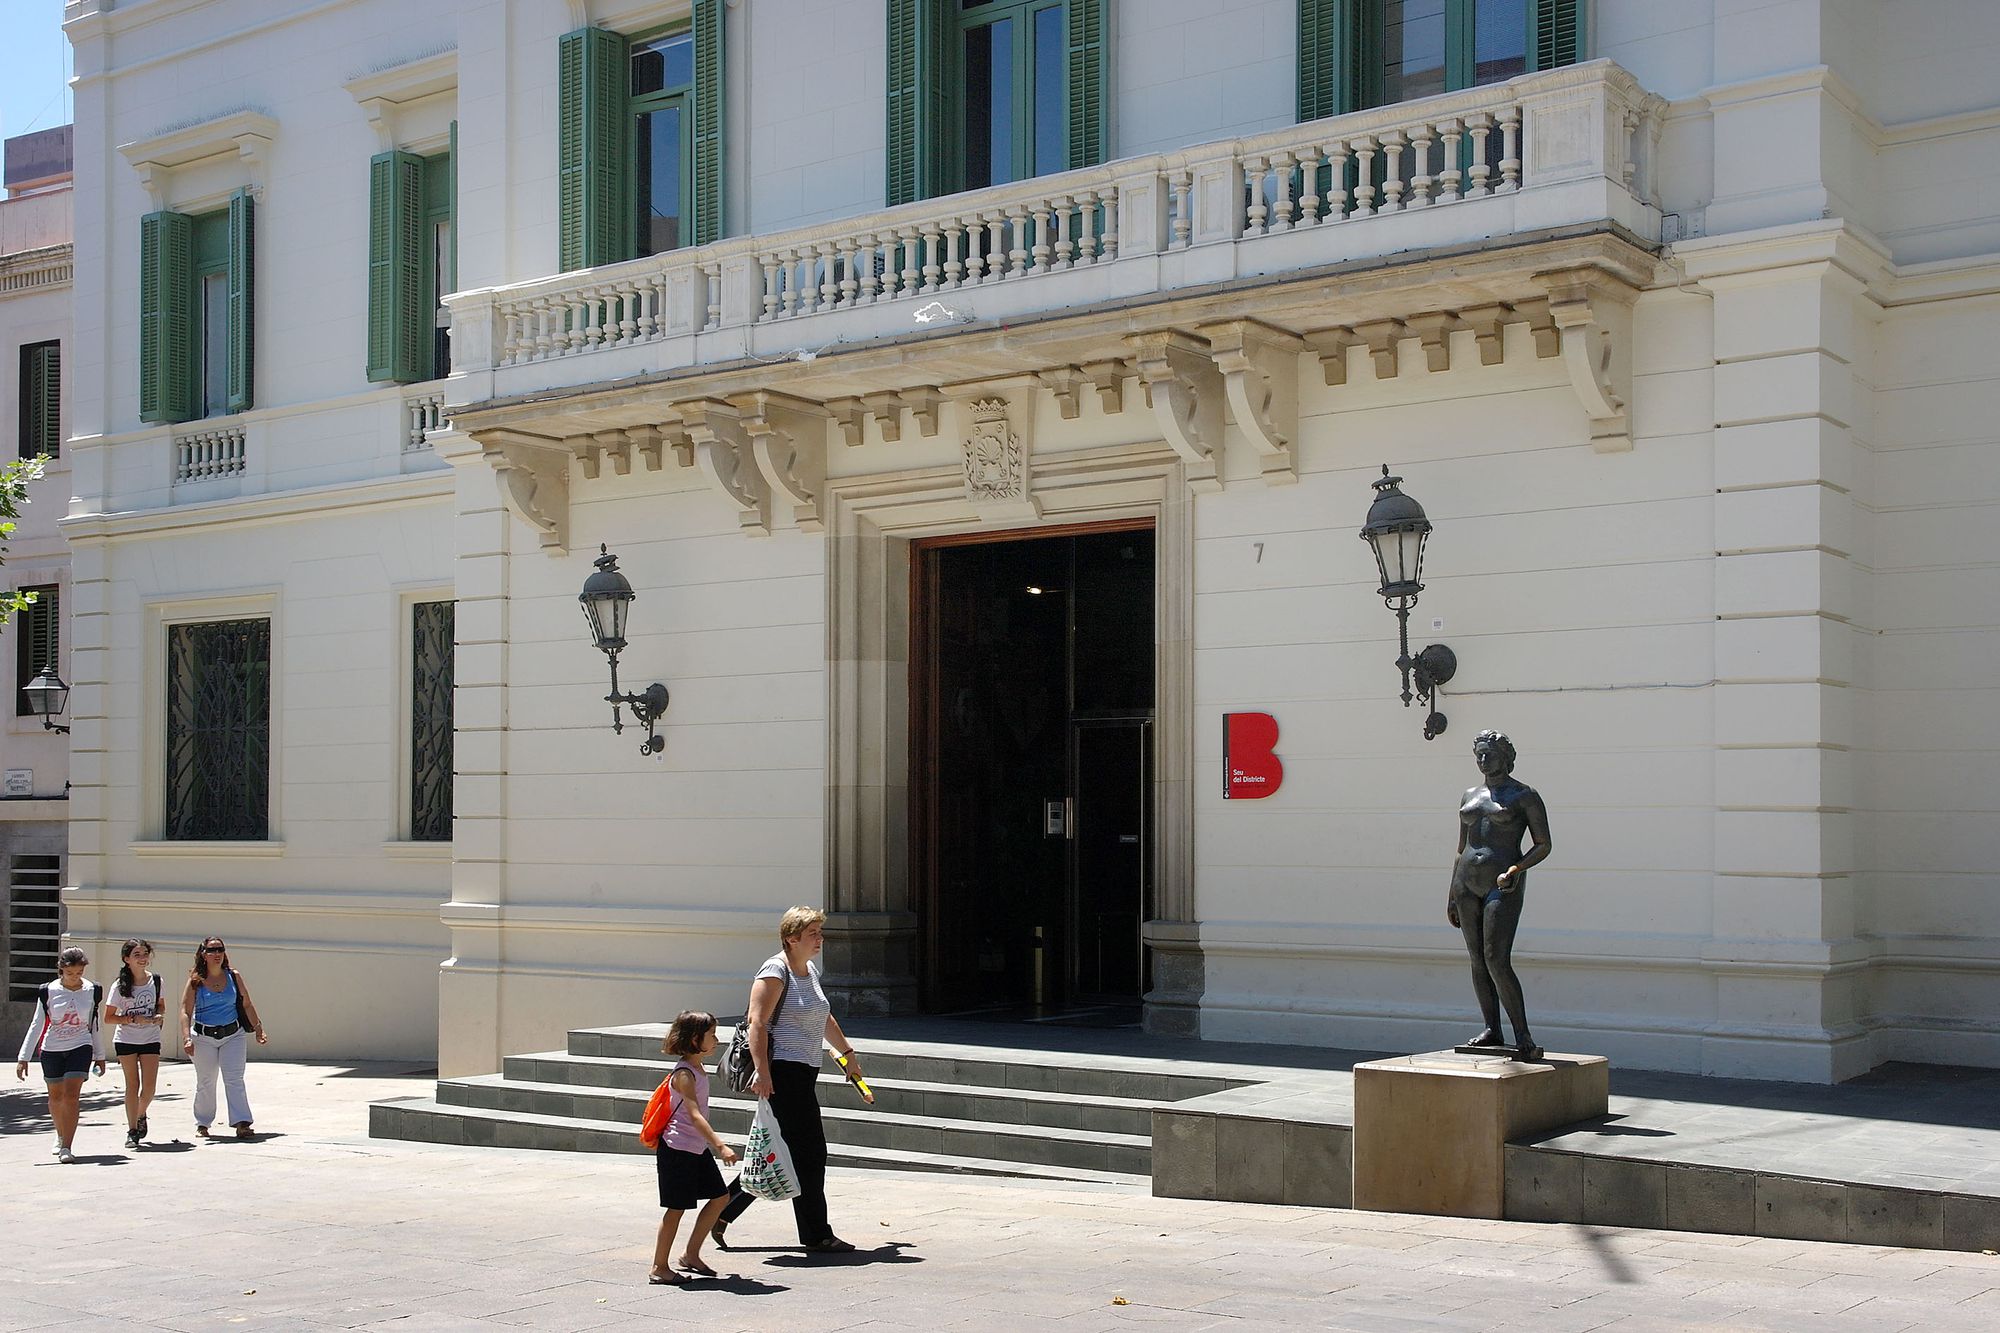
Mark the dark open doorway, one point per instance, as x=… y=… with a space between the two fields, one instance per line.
x=1031 y=659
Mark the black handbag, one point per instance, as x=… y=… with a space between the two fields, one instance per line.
x=739 y=1067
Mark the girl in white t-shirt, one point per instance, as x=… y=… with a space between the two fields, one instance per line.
x=133 y=1012
x=66 y=1035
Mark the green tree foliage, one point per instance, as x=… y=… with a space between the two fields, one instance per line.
x=14 y=479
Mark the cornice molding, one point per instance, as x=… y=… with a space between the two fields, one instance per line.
x=34 y=270
x=246 y=133
x=415 y=488
x=383 y=93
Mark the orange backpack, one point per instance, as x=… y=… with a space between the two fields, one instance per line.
x=659 y=1110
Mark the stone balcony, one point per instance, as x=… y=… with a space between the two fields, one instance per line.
x=1532 y=202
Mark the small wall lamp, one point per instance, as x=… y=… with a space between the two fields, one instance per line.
x=1396 y=531
x=606 y=597
x=47 y=698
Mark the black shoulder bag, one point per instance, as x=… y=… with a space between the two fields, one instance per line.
x=739 y=1067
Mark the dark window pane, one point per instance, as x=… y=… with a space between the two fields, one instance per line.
x=37 y=640
x=1499 y=40
x=1114 y=623
x=657 y=170
x=663 y=66
x=989 y=105
x=219 y=730
x=1412 y=49
x=215 y=344
x=430 y=721
x=1051 y=144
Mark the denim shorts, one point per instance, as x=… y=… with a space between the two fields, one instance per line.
x=61 y=1066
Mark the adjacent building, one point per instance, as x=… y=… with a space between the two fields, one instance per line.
x=35 y=269
x=982 y=400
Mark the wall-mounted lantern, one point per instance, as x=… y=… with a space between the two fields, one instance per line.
x=1396 y=530
x=47 y=698
x=606 y=597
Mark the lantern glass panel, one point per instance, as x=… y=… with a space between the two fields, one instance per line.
x=47 y=695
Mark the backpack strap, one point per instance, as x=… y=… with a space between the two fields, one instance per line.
x=96 y=1000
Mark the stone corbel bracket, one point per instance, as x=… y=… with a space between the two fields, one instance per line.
x=788 y=443
x=1592 y=312
x=1260 y=379
x=532 y=474
x=1185 y=391
x=1433 y=332
x=247 y=134
x=722 y=451
x=647 y=444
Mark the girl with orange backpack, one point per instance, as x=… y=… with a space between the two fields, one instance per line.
x=689 y=1177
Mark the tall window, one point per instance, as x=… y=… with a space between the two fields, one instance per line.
x=1012 y=79
x=218 y=780
x=662 y=130
x=41 y=399
x=982 y=92
x=430 y=721
x=197 y=313
x=412 y=263
x=1355 y=54
x=639 y=159
x=37 y=640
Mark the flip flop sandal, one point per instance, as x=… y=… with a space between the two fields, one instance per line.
x=702 y=1269
x=666 y=1279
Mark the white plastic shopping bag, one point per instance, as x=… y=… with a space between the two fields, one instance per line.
x=767 y=1162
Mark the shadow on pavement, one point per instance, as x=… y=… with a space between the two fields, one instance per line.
x=891 y=1253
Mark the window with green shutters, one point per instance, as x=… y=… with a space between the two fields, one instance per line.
x=37 y=640
x=981 y=92
x=640 y=157
x=412 y=262
x=41 y=400
x=1355 y=54
x=197 y=313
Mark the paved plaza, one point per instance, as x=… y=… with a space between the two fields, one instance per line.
x=315 y=1225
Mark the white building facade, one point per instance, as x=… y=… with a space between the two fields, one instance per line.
x=983 y=402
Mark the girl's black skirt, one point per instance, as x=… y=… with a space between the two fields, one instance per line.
x=687 y=1179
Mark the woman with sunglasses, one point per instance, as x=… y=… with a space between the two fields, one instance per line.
x=216 y=1011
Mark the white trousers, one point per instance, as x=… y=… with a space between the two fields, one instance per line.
x=224 y=1056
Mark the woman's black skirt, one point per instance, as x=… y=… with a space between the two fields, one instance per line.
x=687 y=1179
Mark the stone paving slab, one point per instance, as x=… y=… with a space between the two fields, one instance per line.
x=316 y=1226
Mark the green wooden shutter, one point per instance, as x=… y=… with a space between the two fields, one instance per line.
x=709 y=117
x=451 y=207
x=45 y=630
x=1558 y=36
x=398 y=321
x=166 y=317
x=41 y=401
x=592 y=159
x=1087 y=133
x=242 y=303
x=1319 y=59
x=920 y=105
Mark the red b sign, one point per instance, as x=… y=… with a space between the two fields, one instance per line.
x=1250 y=769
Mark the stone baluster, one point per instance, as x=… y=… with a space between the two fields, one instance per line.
x=628 y=313
x=1510 y=149
x=1017 y=254
x=1452 y=134
x=769 y=263
x=954 y=252
x=1086 y=226
x=850 y=285
x=1392 y=171
x=1420 y=168
x=975 y=248
x=1065 y=207
x=1254 y=169
x=1107 y=244
x=913 y=260
x=1283 y=208
x=510 y=335
x=713 y=273
x=576 y=310
x=544 y=320
x=1364 y=179
x=1336 y=180
x=869 y=259
x=1044 y=248
x=933 y=255
x=1309 y=197
x=1481 y=125
x=1181 y=183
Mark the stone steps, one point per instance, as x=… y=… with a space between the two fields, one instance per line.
x=939 y=1105
x=425 y=1120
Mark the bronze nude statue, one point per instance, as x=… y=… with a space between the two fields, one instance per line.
x=1488 y=881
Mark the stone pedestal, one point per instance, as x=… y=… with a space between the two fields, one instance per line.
x=1431 y=1131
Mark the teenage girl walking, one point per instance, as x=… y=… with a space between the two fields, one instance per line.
x=133 y=1013
x=66 y=1035
x=689 y=1177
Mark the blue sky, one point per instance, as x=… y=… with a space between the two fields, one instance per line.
x=34 y=66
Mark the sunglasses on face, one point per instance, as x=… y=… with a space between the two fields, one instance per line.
x=214 y=948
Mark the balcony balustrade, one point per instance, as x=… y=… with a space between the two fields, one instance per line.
x=209 y=455
x=1562 y=150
